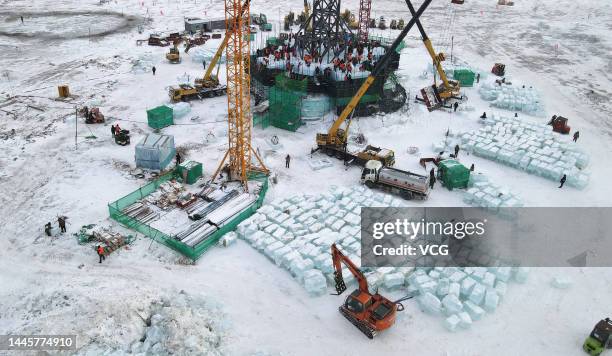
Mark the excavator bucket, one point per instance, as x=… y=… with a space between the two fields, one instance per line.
x=340 y=285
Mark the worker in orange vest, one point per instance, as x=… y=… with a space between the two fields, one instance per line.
x=101 y=253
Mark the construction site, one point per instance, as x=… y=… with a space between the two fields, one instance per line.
x=160 y=158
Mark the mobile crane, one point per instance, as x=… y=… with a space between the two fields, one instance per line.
x=370 y=313
x=209 y=85
x=334 y=142
x=435 y=96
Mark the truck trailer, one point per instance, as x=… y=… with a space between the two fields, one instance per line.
x=406 y=184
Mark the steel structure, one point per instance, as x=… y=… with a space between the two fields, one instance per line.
x=364 y=19
x=327 y=30
x=237 y=51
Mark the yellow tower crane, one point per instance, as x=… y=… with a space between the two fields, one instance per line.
x=240 y=152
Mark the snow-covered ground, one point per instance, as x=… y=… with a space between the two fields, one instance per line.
x=561 y=48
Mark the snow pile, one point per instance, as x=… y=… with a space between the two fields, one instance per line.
x=512 y=98
x=534 y=148
x=462 y=295
x=485 y=194
x=297 y=233
x=177 y=323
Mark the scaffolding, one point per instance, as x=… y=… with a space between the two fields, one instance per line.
x=285 y=99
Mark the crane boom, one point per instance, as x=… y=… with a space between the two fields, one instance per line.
x=219 y=53
x=332 y=136
x=338 y=259
x=437 y=58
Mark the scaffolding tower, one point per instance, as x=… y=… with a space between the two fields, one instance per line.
x=328 y=30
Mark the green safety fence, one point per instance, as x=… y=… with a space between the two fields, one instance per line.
x=115 y=210
x=285 y=100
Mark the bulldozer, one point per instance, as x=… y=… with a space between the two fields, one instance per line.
x=174 y=55
x=559 y=124
x=370 y=313
x=599 y=339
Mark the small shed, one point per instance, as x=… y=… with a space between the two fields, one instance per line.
x=155 y=151
x=453 y=174
x=160 y=117
x=191 y=171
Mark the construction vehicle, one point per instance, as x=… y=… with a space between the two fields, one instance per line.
x=370 y=313
x=94 y=116
x=305 y=15
x=122 y=138
x=436 y=96
x=334 y=142
x=406 y=184
x=559 y=124
x=382 y=23
x=208 y=86
x=600 y=338
x=157 y=40
x=262 y=21
x=499 y=69
x=174 y=55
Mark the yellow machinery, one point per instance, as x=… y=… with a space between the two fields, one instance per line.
x=174 y=55
x=209 y=85
x=437 y=95
x=240 y=152
x=334 y=142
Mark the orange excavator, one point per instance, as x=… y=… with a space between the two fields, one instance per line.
x=370 y=313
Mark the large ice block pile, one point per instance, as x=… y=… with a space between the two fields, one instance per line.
x=485 y=194
x=462 y=295
x=513 y=98
x=297 y=233
x=534 y=148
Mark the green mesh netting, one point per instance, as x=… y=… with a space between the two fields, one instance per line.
x=285 y=98
x=193 y=253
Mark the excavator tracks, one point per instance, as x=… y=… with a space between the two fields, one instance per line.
x=368 y=331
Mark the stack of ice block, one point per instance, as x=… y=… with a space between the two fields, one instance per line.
x=513 y=98
x=530 y=147
x=296 y=234
x=485 y=194
x=180 y=109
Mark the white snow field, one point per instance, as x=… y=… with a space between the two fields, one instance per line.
x=235 y=300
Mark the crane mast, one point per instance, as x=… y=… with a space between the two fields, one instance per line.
x=240 y=152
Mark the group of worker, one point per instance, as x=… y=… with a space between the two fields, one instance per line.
x=115 y=130
x=61 y=222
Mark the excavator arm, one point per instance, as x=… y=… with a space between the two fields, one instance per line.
x=337 y=136
x=338 y=259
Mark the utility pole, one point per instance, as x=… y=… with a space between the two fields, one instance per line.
x=76 y=121
x=452 y=47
